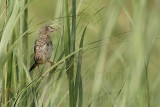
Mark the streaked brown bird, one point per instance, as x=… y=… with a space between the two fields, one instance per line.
x=43 y=47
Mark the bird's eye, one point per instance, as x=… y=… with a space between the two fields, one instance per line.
x=46 y=28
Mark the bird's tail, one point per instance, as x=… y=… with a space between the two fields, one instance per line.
x=33 y=66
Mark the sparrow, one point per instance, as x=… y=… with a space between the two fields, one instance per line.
x=43 y=47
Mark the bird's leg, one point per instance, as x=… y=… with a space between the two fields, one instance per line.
x=52 y=63
x=39 y=70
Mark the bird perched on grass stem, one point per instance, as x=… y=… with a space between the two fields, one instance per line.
x=43 y=47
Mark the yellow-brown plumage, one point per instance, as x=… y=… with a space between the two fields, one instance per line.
x=43 y=47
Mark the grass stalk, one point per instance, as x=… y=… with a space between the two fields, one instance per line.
x=23 y=29
x=106 y=31
x=8 y=67
x=68 y=45
x=71 y=69
x=24 y=50
x=78 y=79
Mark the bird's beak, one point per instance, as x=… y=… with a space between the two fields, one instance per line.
x=53 y=28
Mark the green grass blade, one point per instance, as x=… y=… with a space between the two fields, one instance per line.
x=78 y=80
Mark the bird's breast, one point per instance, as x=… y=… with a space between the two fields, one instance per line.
x=43 y=50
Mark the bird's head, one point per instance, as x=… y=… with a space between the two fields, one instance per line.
x=46 y=30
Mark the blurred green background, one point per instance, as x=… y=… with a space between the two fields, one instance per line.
x=120 y=61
